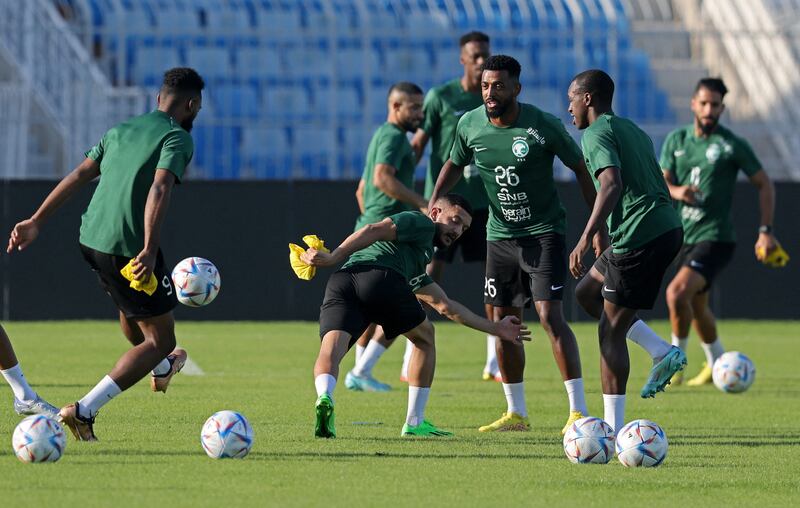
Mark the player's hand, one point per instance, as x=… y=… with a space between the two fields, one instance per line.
x=576 y=267
x=22 y=235
x=689 y=194
x=510 y=328
x=600 y=242
x=143 y=265
x=316 y=257
x=765 y=244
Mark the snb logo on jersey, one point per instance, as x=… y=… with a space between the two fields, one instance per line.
x=416 y=280
x=520 y=148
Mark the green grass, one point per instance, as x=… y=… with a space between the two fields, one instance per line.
x=732 y=450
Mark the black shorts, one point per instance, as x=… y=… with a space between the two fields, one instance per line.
x=707 y=258
x=633 y=279
x=359 y=295
x=472 y=243
x=134 y=304
x=522 y=269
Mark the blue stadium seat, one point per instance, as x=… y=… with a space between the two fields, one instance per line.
x=268 y=152
x=235 y=101
x=313 y=146
x=213 y=63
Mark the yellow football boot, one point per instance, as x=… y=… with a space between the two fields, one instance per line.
x=703 y=378
x=509 y=422
x=574 y=416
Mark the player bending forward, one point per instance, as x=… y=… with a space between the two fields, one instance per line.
x=381 y=282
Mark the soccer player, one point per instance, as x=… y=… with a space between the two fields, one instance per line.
x=444 y=105
x=386 y=188
x=513 y=145
x=645 y=234
x=700 y=162
x=26 y=400
x=385 y=270
x=138 y=162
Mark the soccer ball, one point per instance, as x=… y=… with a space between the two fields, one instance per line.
x=589 y=441
x=38 y=438
x=197 y=281
x=226 y=434
x=641 y=443
x=733 y=372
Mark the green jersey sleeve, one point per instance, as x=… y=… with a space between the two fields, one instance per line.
x=96 y=152
x=461 y=154
x=391 y=151
x=176 y=152
x=746 y=158
x=601 y=150
x=413 y=227
x=431 y=109
x=562 y=143
x=667 y=160
x=426 y=280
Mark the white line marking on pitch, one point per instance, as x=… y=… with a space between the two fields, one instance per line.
x=190 y=368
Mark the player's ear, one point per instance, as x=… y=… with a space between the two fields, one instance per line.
x=434 y=212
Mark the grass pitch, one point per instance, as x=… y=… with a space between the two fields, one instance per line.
x=731 y=450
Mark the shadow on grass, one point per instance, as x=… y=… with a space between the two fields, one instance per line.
x=398 y=455
x=789 y=439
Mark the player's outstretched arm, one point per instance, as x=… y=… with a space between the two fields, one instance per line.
x=449 y=176
x=510 y=328
x=26 y=231
x=155 y=210
x=384 y=230
x=607 y=197
x=386 y=180
x=766 y=242
x=418 y=143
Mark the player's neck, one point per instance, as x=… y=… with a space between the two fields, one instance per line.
x=595 y=113
x=508 y=118
x=470 y=87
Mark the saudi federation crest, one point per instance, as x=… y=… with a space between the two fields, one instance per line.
x=712 y=153
x=519 y=148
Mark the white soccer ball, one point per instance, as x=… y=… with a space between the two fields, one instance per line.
x=641 y=443
x=589 y=441
x=197 y=281
x=38 y=438
x=733 y=372
x=227 y=434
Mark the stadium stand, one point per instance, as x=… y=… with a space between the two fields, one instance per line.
x=309 y=73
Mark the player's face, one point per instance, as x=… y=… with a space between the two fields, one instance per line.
x=193 y=107
x=451 y=222
x=473 y=54
x=578 y=107
x=707 y=107
x=409 y=112
x=499 y=92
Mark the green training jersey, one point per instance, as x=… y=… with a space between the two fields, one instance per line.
x=129 y=155
x=711 y=164
x=389 y=145
x=516 y=165
x=444 y=105
x=644 y=210
x=408 y=255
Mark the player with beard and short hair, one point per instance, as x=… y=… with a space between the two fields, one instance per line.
x=383 y=281
x=645 y=233
x=700 y=162
x=386 y=188
x=138 y=162
x=513 y=146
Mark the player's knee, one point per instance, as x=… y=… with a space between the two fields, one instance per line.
x=678 y=295
x=423 y=336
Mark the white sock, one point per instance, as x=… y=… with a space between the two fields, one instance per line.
x=614 y=411
x=162 y=368
x=713 y=351
x=491 y=355
x=643 y=335
x=515 y=396
x=359 y=352
x=417 y=400
x=680 y=342
x=325 y=383
x=406 y=359
x=19 y=385
x=577 y=399
x=369 y=358
x=100 y=395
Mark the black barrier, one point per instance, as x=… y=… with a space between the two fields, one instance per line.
x=244 y=228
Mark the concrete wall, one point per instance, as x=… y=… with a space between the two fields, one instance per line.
x=244 y=228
